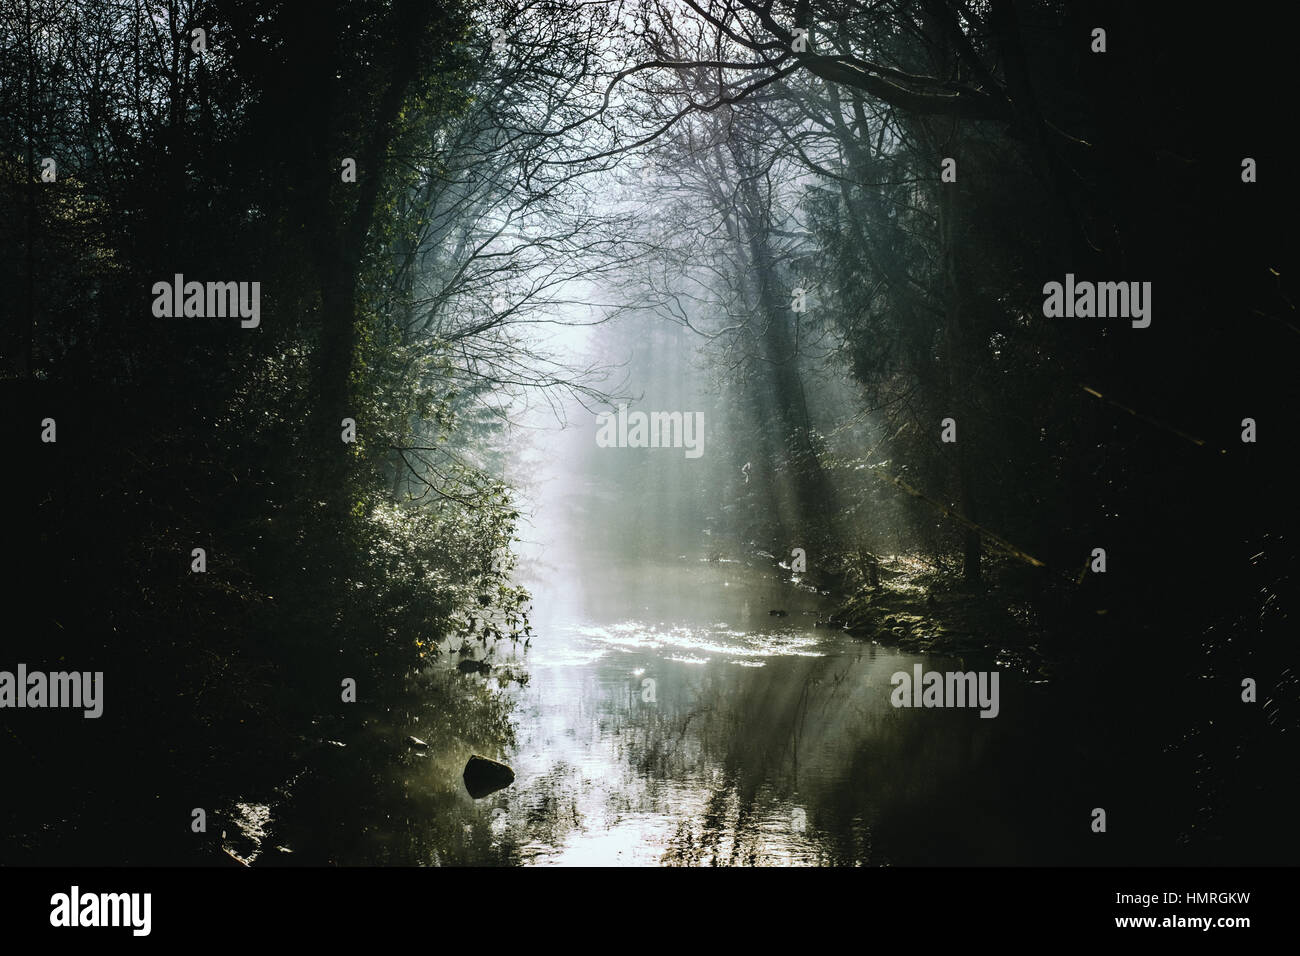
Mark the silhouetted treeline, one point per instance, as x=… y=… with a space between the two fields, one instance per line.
x=219 y=155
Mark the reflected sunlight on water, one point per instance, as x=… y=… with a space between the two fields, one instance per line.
x=748 y=765
x=635 y=741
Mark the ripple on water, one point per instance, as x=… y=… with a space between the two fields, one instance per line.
x=718 y=639
x=683 y=659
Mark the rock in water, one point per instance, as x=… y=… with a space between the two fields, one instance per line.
x=484 y=776
x=474 y=667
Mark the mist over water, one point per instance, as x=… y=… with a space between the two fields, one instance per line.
x=767 y=739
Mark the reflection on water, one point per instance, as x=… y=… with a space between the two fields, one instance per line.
x=664 y=717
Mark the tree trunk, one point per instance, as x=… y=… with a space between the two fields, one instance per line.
x=960 y=394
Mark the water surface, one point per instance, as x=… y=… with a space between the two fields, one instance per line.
x=663 y=716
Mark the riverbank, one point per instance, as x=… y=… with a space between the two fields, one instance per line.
x=919 y=610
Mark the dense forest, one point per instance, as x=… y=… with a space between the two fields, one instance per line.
x=284 y=286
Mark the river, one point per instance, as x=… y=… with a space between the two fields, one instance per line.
x=664 y=716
